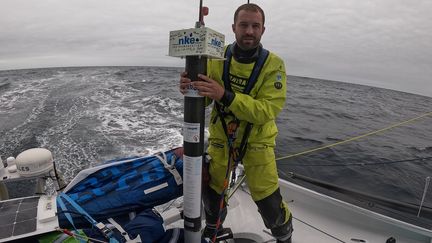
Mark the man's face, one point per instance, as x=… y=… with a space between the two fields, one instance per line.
x=248 y=29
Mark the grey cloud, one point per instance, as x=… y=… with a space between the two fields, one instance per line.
x=385 y=43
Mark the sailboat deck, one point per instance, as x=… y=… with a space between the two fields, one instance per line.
x=319 y=218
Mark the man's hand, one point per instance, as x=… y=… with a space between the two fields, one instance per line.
x=184 y=82
x=209 y=88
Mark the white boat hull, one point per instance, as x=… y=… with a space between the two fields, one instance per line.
x=320 y=218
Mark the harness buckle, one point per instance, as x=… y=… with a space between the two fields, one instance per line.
x=107 y=232
x=232 y=129
x=234 y=155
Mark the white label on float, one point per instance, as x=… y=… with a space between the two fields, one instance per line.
x=192 y=92
x=192 y=186
x=191 y=132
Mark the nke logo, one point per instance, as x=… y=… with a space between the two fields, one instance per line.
x=188 y=40
x=216 y=42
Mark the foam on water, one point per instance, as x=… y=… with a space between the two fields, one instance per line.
x=88 y=115
x=151 y=122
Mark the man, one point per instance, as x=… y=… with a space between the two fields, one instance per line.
x=252 y=110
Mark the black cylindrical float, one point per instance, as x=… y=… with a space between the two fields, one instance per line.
x=193 y=142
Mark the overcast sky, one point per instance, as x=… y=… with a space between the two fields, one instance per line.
x=382 y=43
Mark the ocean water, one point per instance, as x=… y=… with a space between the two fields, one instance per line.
x=91 y=114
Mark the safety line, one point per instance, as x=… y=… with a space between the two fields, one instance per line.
x=355 y=138
x=317 y=229
x=420 y=160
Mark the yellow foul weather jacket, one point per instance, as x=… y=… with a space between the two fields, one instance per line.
x=260 y=107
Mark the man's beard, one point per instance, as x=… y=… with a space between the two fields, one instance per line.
x=248 y=42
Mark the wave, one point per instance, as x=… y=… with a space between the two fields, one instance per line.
x=87 y=115
x=426 y=149
x=4 y=86
x=308 y=141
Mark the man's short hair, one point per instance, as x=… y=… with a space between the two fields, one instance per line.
x=249 y=7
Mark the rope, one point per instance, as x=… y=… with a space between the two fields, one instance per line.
x=224 y=190
x=78 y=236
x=236 y=186
x=320 y=230
x=420 y=160
x=360 y=196
x=424 y=194
x=355 y=138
